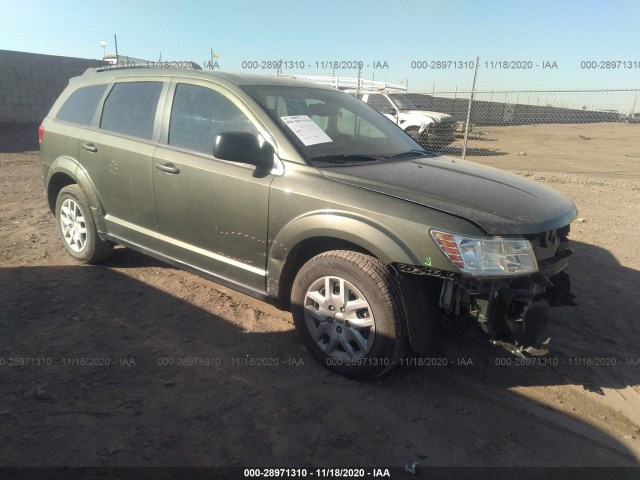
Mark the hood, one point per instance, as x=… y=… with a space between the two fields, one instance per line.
x=499 y=202
x=437 y=116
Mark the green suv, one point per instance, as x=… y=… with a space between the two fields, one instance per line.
x=305 y=196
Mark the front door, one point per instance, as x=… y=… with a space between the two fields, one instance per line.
x=212 y=214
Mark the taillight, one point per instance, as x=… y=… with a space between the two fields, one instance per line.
x=40 y=133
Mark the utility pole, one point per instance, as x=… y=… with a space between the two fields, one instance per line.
x=115 y=40
x=466 y=128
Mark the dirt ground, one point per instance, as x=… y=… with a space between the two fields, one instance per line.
x=136 y=363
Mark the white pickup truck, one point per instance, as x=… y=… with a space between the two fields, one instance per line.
x=633 y=118
x=430 y=129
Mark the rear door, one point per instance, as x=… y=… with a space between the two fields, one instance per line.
x=212 y=214
x=72 y=118
x=117 y=156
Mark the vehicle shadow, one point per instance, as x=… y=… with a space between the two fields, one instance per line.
x=101 y=369
x=123 y=257
x=18 y=138
x=116 y=371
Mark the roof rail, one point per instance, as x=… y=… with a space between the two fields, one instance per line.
x=350 y=84
x=108 y=68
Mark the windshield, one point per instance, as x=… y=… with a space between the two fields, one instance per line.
x=332 y=126
x=407 y=101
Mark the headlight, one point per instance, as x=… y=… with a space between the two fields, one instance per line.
x=487 y=256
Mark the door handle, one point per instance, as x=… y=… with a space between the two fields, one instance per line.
x=168 y=168
x=90 y=147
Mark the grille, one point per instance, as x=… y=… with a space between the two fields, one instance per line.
x=545 y=245
x=447 y=125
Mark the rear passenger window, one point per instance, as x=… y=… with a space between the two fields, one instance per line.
x=81 y=105
x=130 y=108
x=199 y=114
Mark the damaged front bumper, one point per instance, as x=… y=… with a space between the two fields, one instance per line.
x=514 y=311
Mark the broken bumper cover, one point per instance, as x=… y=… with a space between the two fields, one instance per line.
x=513 y=312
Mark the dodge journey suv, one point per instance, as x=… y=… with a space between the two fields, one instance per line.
x=305 y=196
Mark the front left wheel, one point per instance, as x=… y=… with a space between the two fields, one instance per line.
x=347 y=309
x=414 y=132
x=77 y=228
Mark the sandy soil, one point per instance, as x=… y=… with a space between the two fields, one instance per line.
x=133 y=320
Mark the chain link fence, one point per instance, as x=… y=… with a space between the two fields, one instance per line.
x=490 y=114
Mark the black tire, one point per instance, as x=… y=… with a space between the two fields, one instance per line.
x=414 y=132
x=92 y=249
x=374 y=282
x=421 y=138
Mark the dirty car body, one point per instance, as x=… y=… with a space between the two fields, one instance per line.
x=307 y=197
x=510 y=308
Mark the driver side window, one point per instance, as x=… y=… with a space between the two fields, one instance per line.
x=199 y=114
x=379 y=102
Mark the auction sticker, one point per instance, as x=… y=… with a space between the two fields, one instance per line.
x=306 y=130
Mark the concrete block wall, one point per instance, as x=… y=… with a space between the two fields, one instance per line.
x=31 y=82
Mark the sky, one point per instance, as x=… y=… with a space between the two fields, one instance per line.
x=405 y=39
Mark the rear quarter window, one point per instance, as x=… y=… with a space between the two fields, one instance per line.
x=81 y=105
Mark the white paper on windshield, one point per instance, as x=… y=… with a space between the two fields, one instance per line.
x=306 y=130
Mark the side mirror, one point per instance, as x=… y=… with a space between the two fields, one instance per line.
x=243 y=147
x=390 y=111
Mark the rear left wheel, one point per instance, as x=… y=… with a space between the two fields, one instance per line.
x=77 y=228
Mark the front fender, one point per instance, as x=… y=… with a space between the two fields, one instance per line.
x=347 y=226
x=421 y=122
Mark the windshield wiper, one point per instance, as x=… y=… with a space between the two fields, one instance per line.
x=412 y=153
x=347 y=157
